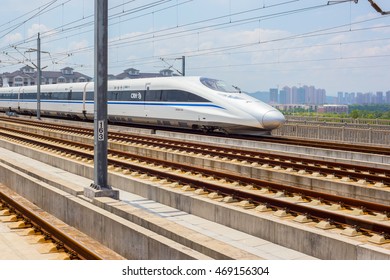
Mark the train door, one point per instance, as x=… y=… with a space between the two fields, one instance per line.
x=18 y=99
x=70 y=107
x=146 y=106
x=84 y=109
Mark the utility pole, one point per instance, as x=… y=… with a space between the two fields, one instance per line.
x=100 y=186
x=183 y=65
x=39 y=77
x=39 y=73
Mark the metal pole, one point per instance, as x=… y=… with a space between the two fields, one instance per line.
x=100 y=96
x=183 y=65
x=39 y=78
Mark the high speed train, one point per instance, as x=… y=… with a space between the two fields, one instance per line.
x=186 y=102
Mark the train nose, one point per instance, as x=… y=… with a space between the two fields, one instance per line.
x=273 y=119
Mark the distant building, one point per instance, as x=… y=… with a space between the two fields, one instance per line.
x=301 y=95
x=379 y=97
x=340 y=97
x=27 y=76
x=338 y=109
x=285 y=96
x=273 y=95
x=293 y=107
x=307 y=95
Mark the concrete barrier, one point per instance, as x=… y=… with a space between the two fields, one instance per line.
x=329 y=133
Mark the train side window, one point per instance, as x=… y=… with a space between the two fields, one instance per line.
x=124 y=96
x=77 y=95
x=60 y=95
x=181 y=96
x=174 y=95
x=164 y=95
x=153 y=95
x=28 y=95
x=9 y=96
x=5 y=96
x=196 y=98
x=46 y=95
x=112 y=95
x=89 y=95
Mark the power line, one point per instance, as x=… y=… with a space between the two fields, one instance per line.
x=40 y=11
x=75 y=28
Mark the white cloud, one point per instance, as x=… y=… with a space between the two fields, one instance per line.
x=37 y=28
x=77 y=45
x=13 y=38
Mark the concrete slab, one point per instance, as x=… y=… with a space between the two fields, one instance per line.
x=222 y=233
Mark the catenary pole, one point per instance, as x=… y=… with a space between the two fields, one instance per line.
x=39 y=77
x=183 y=65
x=100 y=95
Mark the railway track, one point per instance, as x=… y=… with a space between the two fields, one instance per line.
x=356 y=217
x=46 y=229
x=379 y=177
x=370 y=149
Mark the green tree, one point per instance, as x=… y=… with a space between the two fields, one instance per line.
x=355 y=114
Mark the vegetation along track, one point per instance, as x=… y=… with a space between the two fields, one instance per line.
x=363 y=217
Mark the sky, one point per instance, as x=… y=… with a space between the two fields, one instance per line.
x=254 y=44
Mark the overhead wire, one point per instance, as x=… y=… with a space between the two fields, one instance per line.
x=154 y=35
x=178 y=30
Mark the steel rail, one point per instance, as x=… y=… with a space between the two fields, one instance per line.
x=259 y=199
x=340 y=170
x=71 y=245
x=368 y=206
x=279 y=140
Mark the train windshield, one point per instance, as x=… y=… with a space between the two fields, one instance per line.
x=219 y=85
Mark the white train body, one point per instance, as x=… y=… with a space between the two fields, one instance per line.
x=186 y=102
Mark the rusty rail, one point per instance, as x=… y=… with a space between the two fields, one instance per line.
x=70 y=245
